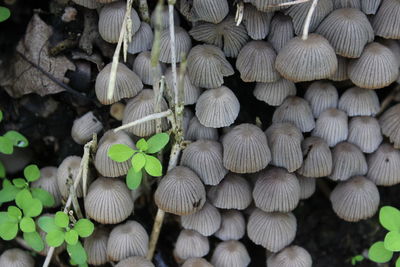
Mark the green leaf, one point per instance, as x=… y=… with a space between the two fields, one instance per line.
x=378 y=253
x=4 y=217
x=61 y=219
x=77 y=253
x=71 y=237
x=392 y=241
x=120 y=152
x=6 y=145
x=8 y=193
x=17 y=139
x=14 y=212
x=23 y=198
x=398 y=262
x=47 y=224
x=157 y=142
x=27 y=225
x=153 y=166
x=1 y=112
x=84 y=227
x=32 y=172
x=19 y=182
x=4 y=15
x=138 y=161
x=34 y=209
x=389 y=217
x=45 y=197
x=2 y=170
x=133 y=179
x=34 y=241
x=55 y=238
x=8 y=230
x=142 y=144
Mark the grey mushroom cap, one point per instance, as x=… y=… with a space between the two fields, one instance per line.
x=265 y=5
x=341 y=72
x=197 y=131
x=48 y=182
x=191 y=92
x=293 y=256
x=233 y=225
x=196 y=262
x=142 y=40
x=359 y=102
x=213 y=11
x=390 y=125
x=321 y=96
x=346 y=4
x=307 y=186
x=191 y=244
x=68 y=169
x=370 y=7
x=276 y=92
x=256 y=22
x=16 y=257
x=384 y=166
x=164 y=18
x=385 y=22
x=281 y=31
x=205 y=221
x=96 y=246
x=183 y=43
x=332 y=126
x=142 y=66
x=230 y=254
x=317 y=158
x=365 y=132
x=137 y=261
x=91 y=4
x=84 y=127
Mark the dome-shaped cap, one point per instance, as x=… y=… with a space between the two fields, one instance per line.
x=348 y=30
x=142 y=66
x=272 y=230
x=307 y=186
x=255 y=62
x=142 y=40
x=180 y=192
x=126 y=240
x=365 y=132
x=140 y=106
x=274 y=93
x=233 y=226
x=295 y=110
x=210 y=10
x=359 y=102
x=317 y=158
x=348 y=161
x=190 y=91
x=321 y=96
x=390 y=125
x=256 y=22
x=341 y=71
x=205 y=221
x=346 y=4
x=217 y=108
x=83 y=128
x=234 y=192
x=205 y=158
x=393 y=45
x=332 y=126
x=48 y=182
x=191 y=244
x=230 y=253
x=370 y=7
x=106 y=1
x=355 y=199
x=197 y=131
x=293 y=256
x=16 y=257
x=68 y=169
x=91 y=4
x=104 y=164
x=96 y=246
x=245 y=149
x=108 y=201
x=265 y=5
x=276 y=190
x=384 y=166
x=285 y=142
x=196 y=262
x=182 y=45
x=111 y=18
x=281 y=31
x=164 y=18
x=306 y=60
x=386 y=23
x=127 y=84
x=137 y=261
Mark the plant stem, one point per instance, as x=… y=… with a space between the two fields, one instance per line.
x=144 y=11
x=308 y=19
x=151 y=117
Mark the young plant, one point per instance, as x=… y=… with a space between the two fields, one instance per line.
x=356 y=259
x=140 y=158
x=4 y=15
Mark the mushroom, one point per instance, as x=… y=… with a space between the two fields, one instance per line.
x=274 y=93
x=182 y=45
x=317 y=158
x=164 y=18
x=117 y=111
x=293 y=256
x=233 y=226
x=393 y=45
x=385 y=22
x=48 y=181
x=307 y=186
x=346 y=4
x=205 y=221
x=213 y=11
x=321 y=96
x=390 y=125
x=230 y=253
x=341 y=71
x=370 y=7
x=83 y=128
x=196 y=262
x=142 y=40
x=91 y=4
x=365 y=132
x=332 y=126
x=16 y=257
x=137 y=261
x=96 y=246
x=266 y=5
x=359 y=102
x=256 y=22
x=281 y=31
x=384 y=166
x=197 y=131
x=142 y=66
x=69 y=169
x=191 y=244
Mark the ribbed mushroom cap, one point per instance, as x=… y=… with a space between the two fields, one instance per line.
x=16 y=257
x=346 y=4
x=187 y=116
x=137 y=261
x=191 y=92
x=348 y=161
x=234 y=192
x=255 y=62
x=385 y=22
x=126 y=240
x=210 y=10
x=108 y=201
x=274 y=93
x=276 y=190
x=205 y=158
x=306 y=60
x=245 y=149
x=96 y=246
x=48 y=182
x=256 y=22
x=217 y=108
x=191 y=244
x=182 y=44
x=293 y=256
x=332 y=126
x=91 y=4
x=281 y=31
x=299 y=14
x=111 y=18
x=207 y=66
x=68 y=169
x=359 y=102
x=197 y=131
x=295 y=110
x=348 y=30
x=266 y=5
x=384 y=166
x=284 y=139
x=230 y=254
x=106 y=166
x=106 y=1
x=321 y=96
x=307 y=186
x=196 y=262
x=142 y=40
x=272 y=230
x=370 y=7
x=317 y=158
x=341 y=71
x=127 y=84
x=164 y=18
x=355 y=199
x=117 y=111
x=390 y=125
x=393 y=45
x=205 y=221
x=142 y=66
x=139 y=107
x=365 y=132
x=233 y=226
x=83 y=128
x=180 y=192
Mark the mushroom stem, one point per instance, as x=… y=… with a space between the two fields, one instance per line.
x=173 y=50
x=151 y=117
x=308 y=19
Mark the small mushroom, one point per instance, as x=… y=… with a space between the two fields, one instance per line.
x=359 y=102
x=266 y=5
x=332 y=126
x=307 y=186
x=205 y=221
x=16 y=257
x=317 y=158
x=182 y=45
x=321 y=96
x=293 y=256
x=137 y=261
x=384 y=166
x=164 y=18
x=346 y=4
x=96 y=246
x=370 y=7
x=48 y=181
x=196 y=262
x=69 y=169
x=276 y=92
x=191 y=244
x=230 y=253
x=365 y=132
x=91 y=4
x=390 y=125
x=233 y=226
x=256 y=22
x=83 y=128
x=213 y=11
x=142 y=40
x=197 y=131
x=281 y=31
x=341 y=71
x=142 y=66
x=385 y=22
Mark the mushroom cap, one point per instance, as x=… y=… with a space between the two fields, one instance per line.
x=69 y=168
x=365 y=132
x=196 y=262
x=276 y=92
x=117 y=111
x=183 y=43
x=348 y=161
x=127 y=240
x=142 y=66
x=205 y=158
x=233 y=225
x=317 y=158
x=341 y=71
x=234 y=192
x=346 y=4
x=108 y=201
x=48 y=182
x=96 y=246
x=265 y=5
x=205 y=221
x=359 y=102
x=281 y=31
x=393 y=45
x=127 y=84
x=180 y=192
x=355 y=199
x=384 y=166
x=256 y=22
x=16 y=257
x=142 y=40
x=276 y=190
x=230 y=253
x=293 y=256
x=191 y=244
x=213 y=11
x=272 y=230
x=255 y=62
x=245 y=149
x=385 y=22
x=370 y=7
x=217 y=108
x=91 y=4
x=307 y=186
x=332 y=126
x=84 y=127
x=197 y=131
x=191 y=92
x=390 y=125
x=321 y=96
x=137 y=261
x=164 y=18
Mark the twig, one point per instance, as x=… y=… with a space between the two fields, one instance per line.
x=151 y=117
x=288 y=3
x=239 y=13
x=308 y=19
x=171 y=4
